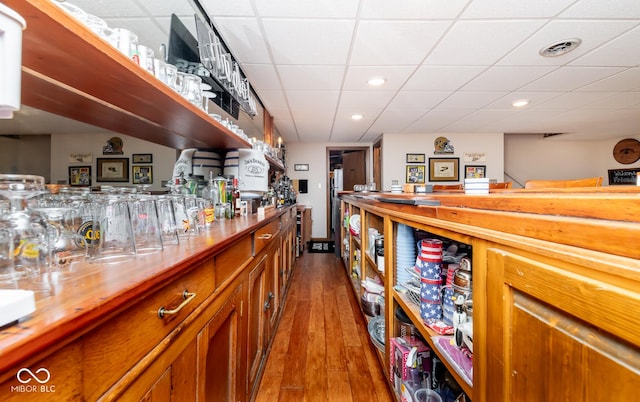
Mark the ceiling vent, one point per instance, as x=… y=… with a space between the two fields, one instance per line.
x=560 y=48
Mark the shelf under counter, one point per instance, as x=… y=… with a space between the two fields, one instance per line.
x=413 y=311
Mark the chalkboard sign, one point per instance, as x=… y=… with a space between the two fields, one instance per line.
x=623 y=176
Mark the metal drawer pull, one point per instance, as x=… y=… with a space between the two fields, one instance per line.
x=187 y=299
x=265 y=236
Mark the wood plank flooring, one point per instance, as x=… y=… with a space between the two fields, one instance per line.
x=321 y=350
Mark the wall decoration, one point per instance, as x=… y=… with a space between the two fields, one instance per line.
x=475 y=171
x=475 y=157
x=623 y=176
x=115 y=146
x=142 y=158
x=415 y=173
x=81 y=157
x=442 y=145
x=301 y=167
x=142 y=174
x=627 y=151
x=444 y=169
x=415 y=158
x=80 y=176
x=112 y=169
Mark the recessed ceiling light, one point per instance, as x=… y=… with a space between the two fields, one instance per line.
x=560 y=48
x=520 y=103
x=376 y=81
x=357 y=117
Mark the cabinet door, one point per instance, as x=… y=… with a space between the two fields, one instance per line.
x=272 y=301
x=559 y=332
x=219 y=355
x=256 y=318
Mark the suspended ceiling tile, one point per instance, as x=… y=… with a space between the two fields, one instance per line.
x=570 y=78
x=307 y=8
x=442 y=78
x=319 y=42
x=515 y=9
x=235 y=8
x=244 y=38
x=361 y=100
x=422 y=100
x=506 y=78
x=624 y=81
x=412 y=9
x=262 y=76
x=481 y=43
x=308 y=77
x=395 y=76
x=394 y=43
x=599 y=9
x=622 y=51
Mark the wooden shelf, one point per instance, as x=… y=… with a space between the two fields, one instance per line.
x=70 y=71
x=373 y=264
x=413 y=312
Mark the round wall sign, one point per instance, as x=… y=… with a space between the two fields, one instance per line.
x=627 y=151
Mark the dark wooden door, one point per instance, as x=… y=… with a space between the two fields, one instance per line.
x=353 y=163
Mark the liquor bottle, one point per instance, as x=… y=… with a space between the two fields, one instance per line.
x=236 y=202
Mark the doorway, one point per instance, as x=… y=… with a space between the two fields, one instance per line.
x=345 y=167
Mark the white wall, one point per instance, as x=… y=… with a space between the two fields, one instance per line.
x=395 y=147
x=62 y=145
x=533 y=157
x=315 y=155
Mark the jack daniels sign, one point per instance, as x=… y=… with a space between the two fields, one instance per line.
x=220 y=63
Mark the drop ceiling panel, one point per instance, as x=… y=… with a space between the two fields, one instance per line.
x=395 y=42
x=244 y=38
x=622 y=101
x=357 y=77
x=506 y=78
x=535 y=98
x=570 y=78
x=322 y=42
x=228 y=8
x=361 y=100
x=470 y=99
x=419 y=100
x=572 y=100
x=262 y=76
x=515 y=9
x=478 y=43
x=626 y=80
x=306 y=77
x=442 y=78
x=618 y=52
x=593 y=34
x=600 y=9
x=313 y=104
x=411 y=9
x=306 y=8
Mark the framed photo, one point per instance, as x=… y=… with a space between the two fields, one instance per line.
x=624 y=177
x=415 y=173
x=112 y=169
x=142 y=174
x=142 y=158
x=80 y=176
x=475 y=171
x=299 y=167
x=444 y=169
x=415 y=158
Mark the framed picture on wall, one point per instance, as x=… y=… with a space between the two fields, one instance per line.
x=112 y=170
x=142 y=158
x=444 y=169
x=79 y=176
x=415 y=158
x=415 y=173
x=142 y=174
x=475 y=171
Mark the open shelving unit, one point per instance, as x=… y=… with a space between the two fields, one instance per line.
x=70 y=71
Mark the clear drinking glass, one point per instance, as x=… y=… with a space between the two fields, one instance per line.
x=113 y=239
x=167 y=221
x=146 y=225
x=145 y=54
x=7 y=274
x=30 y=233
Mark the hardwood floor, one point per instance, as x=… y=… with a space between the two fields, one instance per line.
x=322 y=351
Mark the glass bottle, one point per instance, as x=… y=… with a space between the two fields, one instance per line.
x=235 y=198
x=211 y=197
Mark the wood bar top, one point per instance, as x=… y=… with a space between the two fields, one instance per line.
x=102 y=290
x=603 y=219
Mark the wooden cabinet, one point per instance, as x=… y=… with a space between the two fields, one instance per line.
x=304 y=223
x=559 y=331
x=555 y=289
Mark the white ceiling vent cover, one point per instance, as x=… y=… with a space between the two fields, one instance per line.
x=560 y=48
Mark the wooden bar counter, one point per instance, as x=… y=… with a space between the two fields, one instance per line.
x=100 y=335
x=556 y=286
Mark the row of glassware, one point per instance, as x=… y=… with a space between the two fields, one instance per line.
x=47 y=237
x=189 y=85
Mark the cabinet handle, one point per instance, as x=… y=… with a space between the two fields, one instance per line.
x=265 y=236
x=267 y=306
x=271 y=296
x=187 y=299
